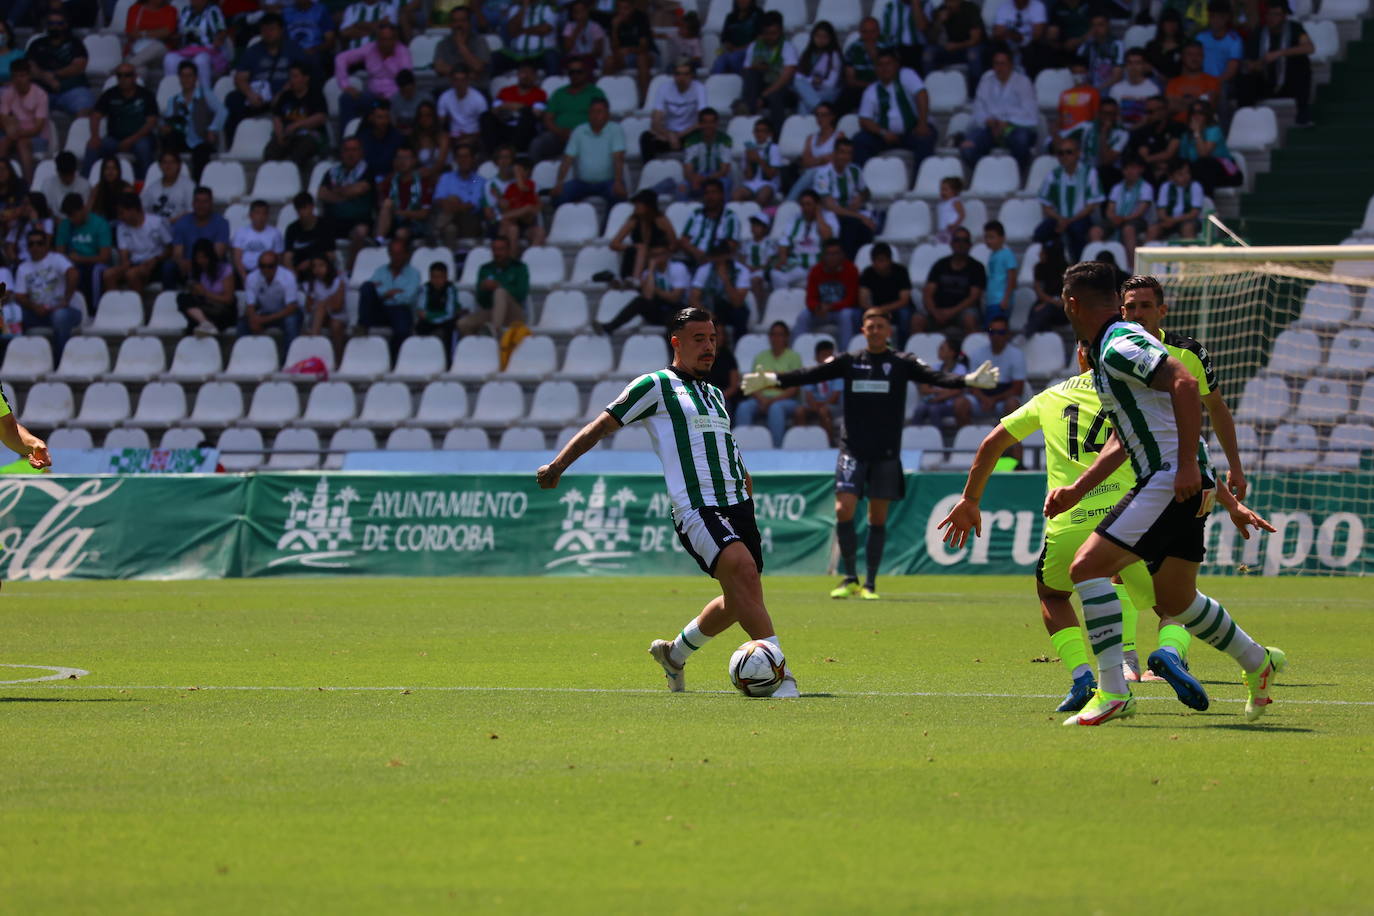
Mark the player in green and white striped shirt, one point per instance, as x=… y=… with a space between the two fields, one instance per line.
x=711 y=492
x=1153 y=404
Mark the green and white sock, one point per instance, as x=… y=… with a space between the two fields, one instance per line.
x=1102 y=622
x=1206 y=619
x=1174 y=638
x=688 y=641
x=1130 y=616
x=1068 y=645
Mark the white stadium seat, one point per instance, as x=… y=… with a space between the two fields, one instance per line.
x=995 y=175
x=160 y=404
x=925 y=347
x=1253 y=129
x=803 y=438
x=521 y=439
x=642 y=353
x=660 y=170
x=784 y=305
x=1347 y=444
x=908 y=221
x=573 y=224
x=1326 y=307
x=240 y=449
x=251 y=358
x=441 y=404
x=250 y=139
x=48 y=404
x=84 y=359
x=181 y=437
x=273 y=404
x=409 y=439
x=475 y=358
x=1116 y=249
x=27 y=359
x=545 y=266
x=928 y=441
x=535 y=358
x=948 y=90
x=70 y=438
x=1296 y=352
x=117 y=314
x=295 y=449
x=633 y=438
x=966 y=443
x=1291 y=447
x=722 y=89
x=1049 y=84
x=126 y=438
x=1326 y=38
x=366 y=263
x=886 y=177
x=348 y=439
x=591 y=261
x=103 y=51
x=923 y=258
x=933 y=170
x=227 y=178
x=423 y=258
x=195 y=359
x=139 y=359
x=105 y=404
x=1019 y=216
x=588 y=357
x=603 y=393
x=307 y=347
x=217 y=404
x=364 y=359
x=385 y=404
x=78 y=137
x=1323 y=400
x=422 y=51
x=610 y=304
x=498 y=404
x=563 y=312
x=419 y=359
x=466 y=439
x=619 y=215
x=1044 y=355
x=795 y=130
x=165 y=320
x=750 y=346
x=330 y=404
x=1040 y=169
x=555 y=403
x=741 y=130
x=753 y=438
x=1352 y=352
x=276 y=182
x=1265 y=399
x=622 y=93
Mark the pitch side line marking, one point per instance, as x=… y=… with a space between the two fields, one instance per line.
x=58 y=674
x=605 y=690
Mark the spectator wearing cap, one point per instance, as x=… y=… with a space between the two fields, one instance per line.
x=662 y=292
x=272 y=299
x=24 y=118
x=532 y=34
x=894 y=113
x=390 y=297
x=382 y=60
x=463 y=45
x=514 y=118
x=595 y=155
x=129 y=111
x=1222 y=48
x=770 y=62
x=67 y=180
x=774 y=405
x=1068 y=197
x=461 y=107
x=674 y=112
x=143 y=240
x=832 y=294
x=1005 y=112
x=568 y=108
x=86 y=240
x=192 y=119
x=720 y=286
x=953 y=293
x=1278 y=62
x=261 y=73
x=840 y=186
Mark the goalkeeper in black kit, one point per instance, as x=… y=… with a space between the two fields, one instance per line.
x=870 y=463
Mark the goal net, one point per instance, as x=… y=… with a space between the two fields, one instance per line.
x=1291 y=333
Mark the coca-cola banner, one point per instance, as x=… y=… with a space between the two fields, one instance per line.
x=174 y=526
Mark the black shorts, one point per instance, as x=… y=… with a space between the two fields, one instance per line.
x=707 y=531
x=1151 y=524
x=881 y=478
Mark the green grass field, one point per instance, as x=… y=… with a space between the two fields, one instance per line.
x=515 y=751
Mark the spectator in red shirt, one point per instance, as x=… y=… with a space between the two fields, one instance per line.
x=832 y=294
x=519 y=108
x=405 y=198
x=520 y=208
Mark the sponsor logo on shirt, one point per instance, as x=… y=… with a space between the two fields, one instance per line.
x=876 y=386
x=710 y=424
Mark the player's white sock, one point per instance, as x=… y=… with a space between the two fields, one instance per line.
x=786 y=668
x=688 y=641
x=1079 y=671
x=1102 y=623
x=1208 y=621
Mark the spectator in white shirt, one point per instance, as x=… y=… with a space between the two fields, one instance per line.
x=272 y=299
x=170 y=196
x=143 y=240
x=1133 y=91
x=461 y=107
x=44 y=286
x=894 y=113
x=769 y=65
x=252 y=241
x=1011 y=365
x=662 y=292
x=1004 y=112
x=68 y=180
x=819 y=69
x=674 y=111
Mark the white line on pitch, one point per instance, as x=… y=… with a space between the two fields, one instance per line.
x=606 y=690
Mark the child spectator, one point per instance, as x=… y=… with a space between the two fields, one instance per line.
x=1129 y=205
x=1179 y=203
x=761 y=175
x=520 y=208
x=758 y=255
x=949 y=213
x=1001 y=268
x=324 y=301
x=437 y=310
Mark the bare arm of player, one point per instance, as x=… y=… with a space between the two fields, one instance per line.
x=1174 y=378
x=577 y=446
x=1062 y=499
x=1242 y=516
x=1225 y=426
x=965 y=516
x=19 y=440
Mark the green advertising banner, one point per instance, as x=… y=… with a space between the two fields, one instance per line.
x=309 y=523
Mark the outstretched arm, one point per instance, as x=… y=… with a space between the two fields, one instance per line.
x=1242 y=516
x=577 y=446
x=965 y=516
x=19 y=440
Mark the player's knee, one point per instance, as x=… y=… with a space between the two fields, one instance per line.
x=1083 y=567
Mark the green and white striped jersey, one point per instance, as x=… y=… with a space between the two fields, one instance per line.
x=690 y=429
x=1125 y=358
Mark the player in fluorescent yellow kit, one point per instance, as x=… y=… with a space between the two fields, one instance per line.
x=1076 y=429
x=15 y=437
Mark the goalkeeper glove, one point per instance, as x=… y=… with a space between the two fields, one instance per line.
x=985 y=376
x=754 y=382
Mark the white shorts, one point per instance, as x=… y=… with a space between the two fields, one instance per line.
x=707 y=531
x=1152 y=525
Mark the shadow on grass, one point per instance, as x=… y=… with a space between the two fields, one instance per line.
x=65 y=700
x=1281 y=683
x=1258 y=727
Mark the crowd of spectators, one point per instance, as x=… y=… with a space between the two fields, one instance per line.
x=1137 y=142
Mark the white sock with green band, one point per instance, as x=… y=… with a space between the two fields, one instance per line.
x=1208 y=621
x=1102 y=623
x=688 y=641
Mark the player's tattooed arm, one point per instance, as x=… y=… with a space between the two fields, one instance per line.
x=1062 y=499
x=577 y=446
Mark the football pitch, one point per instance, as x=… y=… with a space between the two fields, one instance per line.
x=475 y=745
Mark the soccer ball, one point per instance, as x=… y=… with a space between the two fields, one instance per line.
x=756 y=668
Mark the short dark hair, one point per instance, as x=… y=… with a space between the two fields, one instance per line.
x=999 y=319
x=1141 y=281
x=772 y=17
x=599 y=101
x=67 y=162
x=21 y=66
x=257 y=203
x=811 y=194
x=995 y=225
x=779 y=324
x=845 y=142
x=71 y=204
x=825 y=343
x=713 y=183
x=708 y=111
x=1194 y=43
x=1135 y=52
x=128 y=201
x=832 y=243
x=888 y=52
x=302 y=68
x=877 y=313
x=303 y=199
x=202 y=189
x=272 y=19
x=460 y=68
x=405 y=78
x=881 y=249
x=187 y=65
x=686 y=317
x=1094 y=278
